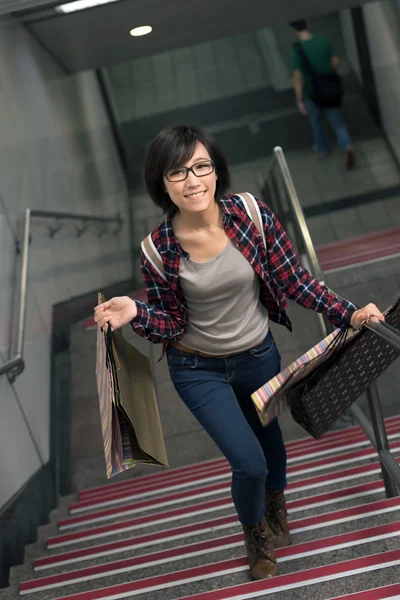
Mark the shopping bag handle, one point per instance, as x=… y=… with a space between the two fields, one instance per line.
x=108 y=341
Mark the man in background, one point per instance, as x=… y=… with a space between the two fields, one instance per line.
x=319 y=52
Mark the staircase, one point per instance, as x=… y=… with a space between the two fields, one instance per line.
x=174 y=534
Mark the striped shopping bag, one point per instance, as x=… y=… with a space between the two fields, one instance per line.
x=130 y=420
x=320 y=385
x=272 y=399
x=115 y=460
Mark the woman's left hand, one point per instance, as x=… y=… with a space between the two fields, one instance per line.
x=362 y=315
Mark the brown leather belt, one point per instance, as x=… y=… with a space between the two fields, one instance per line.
x=183 y=348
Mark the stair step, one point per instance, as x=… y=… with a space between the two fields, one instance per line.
x=225 y=472
x=161 y=520
x=185 y=480
x=175 y=534
x=382 y=593
x=220 y=488
x=204 y=527
x=298 y=551
x=303 y=530
x=364 y=248
x=136 y=484
x=297 y=448
x=244 y=590
x=296 y=580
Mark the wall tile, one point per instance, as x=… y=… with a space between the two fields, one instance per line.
x=33 y=386
x=7 y=284
x=188 y=76
x=56 y=153
x=19 y=460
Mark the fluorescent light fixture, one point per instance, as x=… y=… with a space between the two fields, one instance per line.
x=143 y=30
x=80 y=5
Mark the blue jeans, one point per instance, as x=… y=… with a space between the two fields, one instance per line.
x=217 y=392
x=337 y=122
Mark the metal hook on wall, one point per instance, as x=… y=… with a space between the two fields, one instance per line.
x=81 y=230
x=102 y=229
x=119 y=227
x=56 y=228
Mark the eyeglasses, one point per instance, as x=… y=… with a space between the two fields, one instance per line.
x=200 y=169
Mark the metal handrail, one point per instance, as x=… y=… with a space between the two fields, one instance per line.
x=299 y=215
x=15 y=365
x=377 y=432
x=385 y=331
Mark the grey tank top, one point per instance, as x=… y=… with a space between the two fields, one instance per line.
x=224 y=309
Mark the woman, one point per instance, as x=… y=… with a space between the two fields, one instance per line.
x=210 y=305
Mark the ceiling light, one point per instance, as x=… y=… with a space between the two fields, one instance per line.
x=80 y=5
x=143 y=30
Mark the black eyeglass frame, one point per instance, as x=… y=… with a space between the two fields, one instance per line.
x=191 y=169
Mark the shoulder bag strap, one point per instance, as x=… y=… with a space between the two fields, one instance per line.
x=153 y=255
x=253 y=210
x=302 y=53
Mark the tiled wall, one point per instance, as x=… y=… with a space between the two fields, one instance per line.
x=203 y=81
x=56 y=153
x=188 y=76
x=211 y=71
x=350 y=42
x=383 y=30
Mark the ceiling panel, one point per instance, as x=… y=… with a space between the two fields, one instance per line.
x=9 y=6
x=100 y=36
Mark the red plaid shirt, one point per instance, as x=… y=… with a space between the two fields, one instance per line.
x=165 y=317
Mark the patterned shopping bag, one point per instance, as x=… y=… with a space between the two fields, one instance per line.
x=271 y=400
x=320 y=385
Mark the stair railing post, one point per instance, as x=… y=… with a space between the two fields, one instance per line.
x=382 y=442
x=307 y=250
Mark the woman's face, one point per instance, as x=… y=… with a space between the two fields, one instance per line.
x=193 y=194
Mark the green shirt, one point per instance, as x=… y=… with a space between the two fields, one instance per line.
x=319 y=52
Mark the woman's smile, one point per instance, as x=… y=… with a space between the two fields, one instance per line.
x=195 y=194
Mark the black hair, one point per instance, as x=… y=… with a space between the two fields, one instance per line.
x=173 y=147
x=299 y=25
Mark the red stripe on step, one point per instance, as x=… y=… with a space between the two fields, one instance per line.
x=329 y=437
x=333 y=435
x=335 y=495
x=363 y=248
x=181 y=552
x=215 y=568
x=183 y=496
x=321 y=463
x=195 y=527
x=345 y=513
x=217 y=488
x=109 y=529
x=127 y=544
x=343 y=443
x=387 y=591
x=197 y=508
x=133 y=491
x=391 y=423
x=297 y=579
x=160 y=481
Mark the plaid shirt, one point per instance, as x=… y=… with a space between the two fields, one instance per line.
x=165 y=317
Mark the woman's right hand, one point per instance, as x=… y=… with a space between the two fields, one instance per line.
x=116 y=312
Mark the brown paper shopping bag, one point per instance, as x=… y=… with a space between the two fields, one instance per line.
x=130 y=419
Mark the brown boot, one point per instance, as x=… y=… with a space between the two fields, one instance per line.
x=276 y=517
x=261 y=556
